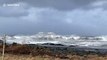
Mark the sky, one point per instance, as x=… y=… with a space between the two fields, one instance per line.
x=80 y=17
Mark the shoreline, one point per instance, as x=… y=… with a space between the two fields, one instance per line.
x=36 y=51
x=54 y=48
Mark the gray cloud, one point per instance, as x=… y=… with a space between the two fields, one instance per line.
x=62 y=4
x=57 y=4
x=60 y=16
x=13 y=11
x=96 y=4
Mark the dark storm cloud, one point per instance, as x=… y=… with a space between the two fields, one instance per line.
x=58 y=4
x=66 y=4
x=61 y=16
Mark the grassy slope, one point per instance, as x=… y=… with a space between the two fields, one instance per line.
x=71 y=57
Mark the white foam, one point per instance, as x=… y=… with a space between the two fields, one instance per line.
x=34 y=40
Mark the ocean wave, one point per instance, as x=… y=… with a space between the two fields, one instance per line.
x=97 y=41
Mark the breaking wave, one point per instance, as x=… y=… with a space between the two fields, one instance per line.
x=98 y=41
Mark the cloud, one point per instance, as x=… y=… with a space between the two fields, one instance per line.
x=76 y=21
x=61 y=4
x=55 y=17
x=97 y=4
x=57 y=4
x=14 y=11
x=44 y=15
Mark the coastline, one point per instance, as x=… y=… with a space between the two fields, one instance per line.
x=59 y=52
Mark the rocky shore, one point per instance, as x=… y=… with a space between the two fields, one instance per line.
x=52 y=50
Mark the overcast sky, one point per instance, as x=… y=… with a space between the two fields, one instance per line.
x=80 y=17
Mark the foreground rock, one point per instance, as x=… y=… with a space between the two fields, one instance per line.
x=55 y=50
